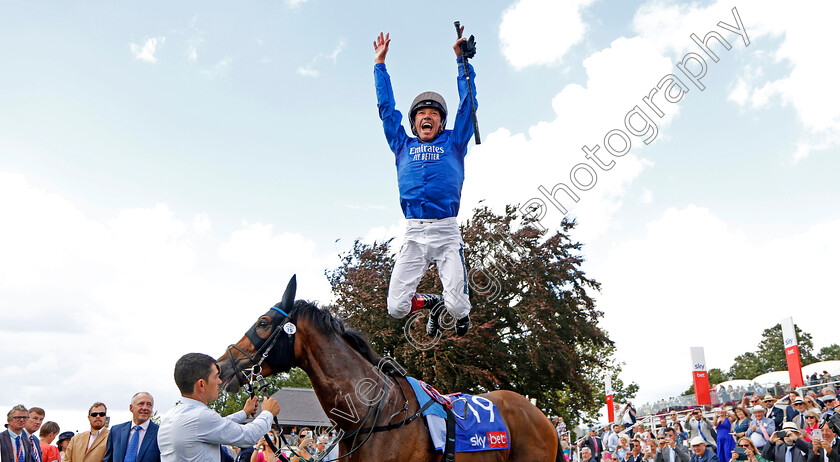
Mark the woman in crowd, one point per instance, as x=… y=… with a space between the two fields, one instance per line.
x=63 y=442
x=567 y=450
x=263 y=451
x=811 y=403
x=622 y=447
x=742 y=422
x=682 y=435
x=812 y=419
x=752 y=453
x=723 y=427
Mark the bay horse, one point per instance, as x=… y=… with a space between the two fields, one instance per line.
x=359 y=390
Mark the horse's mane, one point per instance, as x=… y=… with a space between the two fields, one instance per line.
x=322 y=319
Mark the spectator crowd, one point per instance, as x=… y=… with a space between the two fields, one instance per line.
x=191 y=431
x=793 y=428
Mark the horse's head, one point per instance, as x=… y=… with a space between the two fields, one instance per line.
x=266 y=348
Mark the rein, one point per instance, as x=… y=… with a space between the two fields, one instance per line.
x=254 y=373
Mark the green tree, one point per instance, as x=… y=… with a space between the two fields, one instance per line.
x=770 y=354
x=535 y=326
x=228 y=403
x=829 y=353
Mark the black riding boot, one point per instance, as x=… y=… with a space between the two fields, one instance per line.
x=424 y=301
x=436 y=306
x=462 y=326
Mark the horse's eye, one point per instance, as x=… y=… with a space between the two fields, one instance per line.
x=262 y=324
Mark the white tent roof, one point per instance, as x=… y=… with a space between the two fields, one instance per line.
x=833 y=368
x=773 y=377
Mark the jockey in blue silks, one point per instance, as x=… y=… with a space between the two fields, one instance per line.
x=430 y=174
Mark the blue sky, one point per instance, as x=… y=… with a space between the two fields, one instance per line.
x=165 y=167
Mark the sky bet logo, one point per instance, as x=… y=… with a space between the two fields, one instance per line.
x=492 y=440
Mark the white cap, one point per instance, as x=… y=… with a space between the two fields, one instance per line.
x=792 y=427
x=697 y=440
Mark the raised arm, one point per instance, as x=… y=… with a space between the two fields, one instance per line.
x=463 y=128
x=388 y=113
x=380 y=48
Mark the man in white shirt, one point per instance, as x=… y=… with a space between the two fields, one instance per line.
x=612 y=440
x=191 y=431
x=698 y=425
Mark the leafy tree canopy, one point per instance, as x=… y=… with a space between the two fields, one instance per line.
x=770 y=354
x=829 y=353
x=535 y=326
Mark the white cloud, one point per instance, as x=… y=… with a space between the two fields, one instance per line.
x=536 y=32
x=147 y=51
x=81 y=292
x=220 y=69
x=692 y=276
x=257 y=247
x=295 y=3
x=195 y=41
x=806 y=77
x=338 y=49
x=508 y=168
x=310 y=70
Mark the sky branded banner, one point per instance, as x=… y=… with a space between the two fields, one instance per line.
x=792 y=352
x=701 y=377
x=609 y=392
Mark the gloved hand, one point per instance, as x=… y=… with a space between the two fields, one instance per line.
x=468 y=47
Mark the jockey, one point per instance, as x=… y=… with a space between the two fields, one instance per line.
x=430 y=174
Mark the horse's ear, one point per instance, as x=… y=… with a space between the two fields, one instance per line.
x=289 y=294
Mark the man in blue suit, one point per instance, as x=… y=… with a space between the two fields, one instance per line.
x=135 y=441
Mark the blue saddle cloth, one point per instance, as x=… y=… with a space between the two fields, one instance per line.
x=479 y=426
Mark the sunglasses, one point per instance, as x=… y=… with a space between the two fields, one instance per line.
x=21 y=417
x=743 y=445
x=97 y=414
x=810 y=417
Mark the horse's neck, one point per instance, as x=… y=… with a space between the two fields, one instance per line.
x=347 y=385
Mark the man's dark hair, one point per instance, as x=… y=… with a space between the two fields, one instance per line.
x=671 y=430
x=37 y=410
x=190 y=368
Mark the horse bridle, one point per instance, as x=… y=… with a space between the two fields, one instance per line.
x=254 y=374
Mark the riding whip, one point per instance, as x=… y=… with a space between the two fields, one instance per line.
x=468 y=51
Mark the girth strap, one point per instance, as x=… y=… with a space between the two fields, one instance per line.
x=449 y=448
